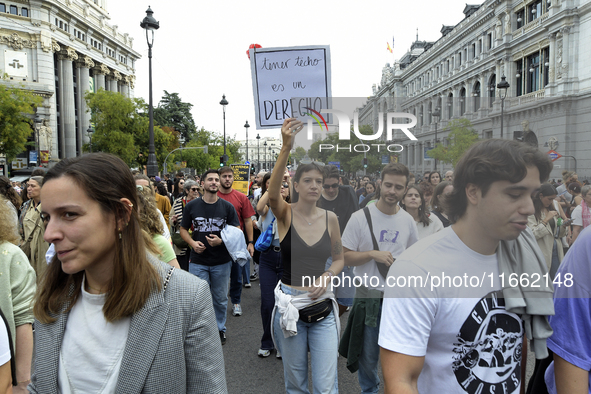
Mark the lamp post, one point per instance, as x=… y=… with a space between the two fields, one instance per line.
x=504 y=85
x=258 y=152
x=436 y=114
x=265 y=155
x=150 y=24
x=223 y=103
x=246 y=126
x=90 y=131
x=38 y=122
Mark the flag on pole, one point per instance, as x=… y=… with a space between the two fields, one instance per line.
x=390 y=49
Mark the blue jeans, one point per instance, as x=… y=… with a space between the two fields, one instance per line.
x=369 y=359
x=217 y=278
x=322 y=340
x=270 y=271
x=345 y=292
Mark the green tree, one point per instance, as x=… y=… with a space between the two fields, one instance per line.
x=122 y=128
x=16 y=105
x=173 y=112
x=461 y=137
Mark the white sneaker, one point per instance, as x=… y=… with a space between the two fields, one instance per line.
x=264 y=353
x=236 y=310
x=278 y=355
x=247 y=285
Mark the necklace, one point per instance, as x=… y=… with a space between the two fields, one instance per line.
x=92 y=288
x=306 y=220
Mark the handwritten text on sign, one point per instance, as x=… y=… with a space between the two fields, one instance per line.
x=281 y=74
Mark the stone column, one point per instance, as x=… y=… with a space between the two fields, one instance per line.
x=125 y=86
x=84 y=65
x=115 y=78
x=416 y=157
x=99 y=76
x=552 y=55
x=67 y=110
x=563 y=60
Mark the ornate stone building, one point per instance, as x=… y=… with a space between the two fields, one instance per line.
x=263 y=151
x=59 y=49
x=542 y=47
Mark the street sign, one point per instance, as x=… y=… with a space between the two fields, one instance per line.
x=554 y=155
x=19 y=163
x=335 y=163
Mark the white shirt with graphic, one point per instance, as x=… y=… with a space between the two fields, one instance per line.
x=471 y=344
x=394 y=233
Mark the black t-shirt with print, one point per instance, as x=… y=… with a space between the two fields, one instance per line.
x=209 y=219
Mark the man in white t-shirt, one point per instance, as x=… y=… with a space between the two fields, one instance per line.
x=394 y=231
x=458 y=337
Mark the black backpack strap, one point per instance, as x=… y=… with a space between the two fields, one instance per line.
x=382 y=268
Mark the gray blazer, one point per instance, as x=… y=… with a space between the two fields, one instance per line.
x=173 y=344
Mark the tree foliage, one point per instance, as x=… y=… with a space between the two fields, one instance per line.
x=16 y=105
x=461 y=137
x=173 y=112
x=350 y=161
x=122 y=128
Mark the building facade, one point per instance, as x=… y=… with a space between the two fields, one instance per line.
x=263 y=152
x=543 y=50
x=59 y=49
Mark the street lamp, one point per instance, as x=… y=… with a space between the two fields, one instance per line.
x=265 y=154
x=90 y=131
x=504 y=85
x=436 y=114
x=223 y=103
x=258 y=152
x=246 y=126
x=38 y=122
x=150 y=24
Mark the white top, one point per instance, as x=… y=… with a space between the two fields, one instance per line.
x=577 y=215
x=4 y=344
x=92 y=348
x=394 y=233
x=435 y=226
x=470 y=343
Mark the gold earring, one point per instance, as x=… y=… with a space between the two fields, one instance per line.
x=119 y=232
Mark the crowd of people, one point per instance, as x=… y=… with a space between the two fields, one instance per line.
x=126 y=279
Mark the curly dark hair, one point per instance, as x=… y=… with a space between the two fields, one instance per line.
x=8 y=191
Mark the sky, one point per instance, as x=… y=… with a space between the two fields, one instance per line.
x=200 y=48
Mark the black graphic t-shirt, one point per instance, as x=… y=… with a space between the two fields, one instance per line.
x=343 y=206
x=205 y=219
x=470 y=342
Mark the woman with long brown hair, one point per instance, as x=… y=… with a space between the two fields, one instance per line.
x=308 y=235
x=152 y=327
x=413 y=202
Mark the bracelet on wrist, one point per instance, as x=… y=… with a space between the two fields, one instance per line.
x=330 y=272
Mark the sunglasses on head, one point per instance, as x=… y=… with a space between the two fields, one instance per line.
x=333 y=186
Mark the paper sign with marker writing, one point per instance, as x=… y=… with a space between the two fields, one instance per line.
x=280 y=75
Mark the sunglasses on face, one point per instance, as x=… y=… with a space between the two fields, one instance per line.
x=194 y=189
x=333 y=186
x=285 y=185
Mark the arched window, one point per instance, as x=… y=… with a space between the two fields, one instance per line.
x=450 y=105
x=492 y=89
x=462 y=101
x=476 y=95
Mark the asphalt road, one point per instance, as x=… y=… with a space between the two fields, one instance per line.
x=247 y=373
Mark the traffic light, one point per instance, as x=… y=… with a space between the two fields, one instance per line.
x=252 y=169
x=222 y=161
x=365 y=162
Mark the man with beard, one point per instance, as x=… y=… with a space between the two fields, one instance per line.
x=210 y=259
x=393 y=230
x=245 y=212
x=452 y=337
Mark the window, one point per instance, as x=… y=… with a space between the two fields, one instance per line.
x=476 y=95
x=533 y=72
x=25 y=12
x=492 y=88
x=460 y=59
x=2 y=7
x=519 y=78
x=473 y=51
x=535 y=10
x=462 y=101
x=520 y=18
x=14 y=10
x=489 y=41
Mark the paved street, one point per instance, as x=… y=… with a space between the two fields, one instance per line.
x=247 y=373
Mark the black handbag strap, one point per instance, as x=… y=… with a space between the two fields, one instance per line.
x=382 y=268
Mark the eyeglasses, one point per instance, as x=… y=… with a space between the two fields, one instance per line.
x=285 y=185
x=333 y=186
x=194 y=189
